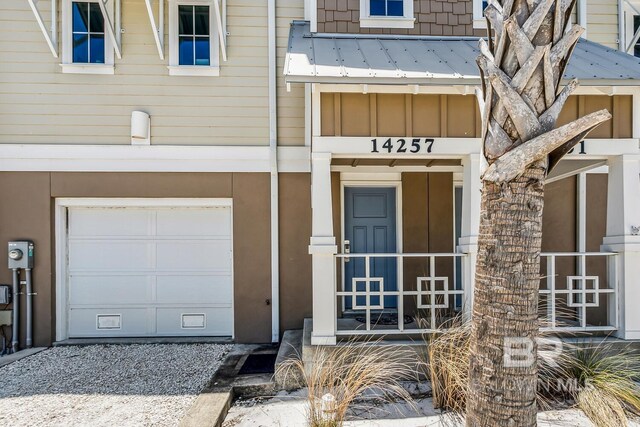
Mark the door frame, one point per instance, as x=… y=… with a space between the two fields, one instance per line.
x=62 y=206
x=390 y=180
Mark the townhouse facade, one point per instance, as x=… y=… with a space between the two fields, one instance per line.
x=229 y=168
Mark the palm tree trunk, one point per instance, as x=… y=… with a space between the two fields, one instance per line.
x=506 y=301
x=522 y=66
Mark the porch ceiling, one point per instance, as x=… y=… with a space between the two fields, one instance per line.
x=380 y=59
x=395 y=162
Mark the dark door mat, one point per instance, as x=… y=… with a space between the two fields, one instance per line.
x=259 y=364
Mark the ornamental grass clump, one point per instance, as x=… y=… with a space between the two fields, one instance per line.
x=607 y=390
x=350 y=376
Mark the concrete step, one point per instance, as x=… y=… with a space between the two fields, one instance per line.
x=290 y=349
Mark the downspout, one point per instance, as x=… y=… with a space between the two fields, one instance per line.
x=273 y=158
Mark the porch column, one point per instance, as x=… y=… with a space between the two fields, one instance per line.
x=623 y=218
x=322 y=249
x=468 y=243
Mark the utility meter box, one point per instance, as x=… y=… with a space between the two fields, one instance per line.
x=20 y=254
x=5 y=294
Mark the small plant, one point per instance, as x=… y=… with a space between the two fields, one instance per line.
x=607 y=391
x=448 y=364
x=337 y=377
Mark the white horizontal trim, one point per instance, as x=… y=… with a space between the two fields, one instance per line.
x=457 y=89
x=193 y=70
x=386 y=22
x=88 y=68
x=294 y=159
x=121 y=202
x=152 y=158
x=453 y=148
x=443 y=148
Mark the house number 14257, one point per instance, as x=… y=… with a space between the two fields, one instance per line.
x=401 y=145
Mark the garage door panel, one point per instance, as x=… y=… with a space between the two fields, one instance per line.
x=110 y=222
x=114 y=322
x=215 y=321
x=194 y=222
x=110 y=255
x=196 y=255
x=145 y=271
x=110 y=290
x=194 y=289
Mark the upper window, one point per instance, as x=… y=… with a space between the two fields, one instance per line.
x=88 y=33
x=386 y=8
x=85 y=45
x=386 y=14
x=479 y=20
x=193 y=38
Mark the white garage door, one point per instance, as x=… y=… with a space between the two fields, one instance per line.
x=139 y=271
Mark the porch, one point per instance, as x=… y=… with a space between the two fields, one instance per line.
x=385 y=112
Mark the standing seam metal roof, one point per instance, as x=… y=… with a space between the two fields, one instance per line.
x=359 y=58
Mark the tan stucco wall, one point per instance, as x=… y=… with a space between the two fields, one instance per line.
x=295 y=261
x=30 y=216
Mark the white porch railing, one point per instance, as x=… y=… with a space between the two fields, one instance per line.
x=436 y=295
x=578 y=292
x=584 y=296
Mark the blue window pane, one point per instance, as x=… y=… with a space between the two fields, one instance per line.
x=96 y=42
x=80 y=17
x=186 y=19
x=377 y=8
x=202 y=51
x=394 y=8
x=96 y=21
x=186 y=50
x=202 y=20
x=81 y=48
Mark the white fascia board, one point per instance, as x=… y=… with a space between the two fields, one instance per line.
x=154 y=158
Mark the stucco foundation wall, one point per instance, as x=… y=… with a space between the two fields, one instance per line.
x=30 y=215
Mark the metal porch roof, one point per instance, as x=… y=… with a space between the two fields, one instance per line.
x=384 y=59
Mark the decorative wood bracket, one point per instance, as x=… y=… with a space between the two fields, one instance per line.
x=51 y=36
x=157 y=28
x=111 y=29
x=221 y=21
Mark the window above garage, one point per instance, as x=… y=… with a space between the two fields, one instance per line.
x=386 y=14
x=194 y=47
x=86 y=45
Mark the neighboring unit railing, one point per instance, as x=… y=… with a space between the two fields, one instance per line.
x=587 y=300
x=578 y=292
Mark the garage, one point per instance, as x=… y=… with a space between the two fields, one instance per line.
x=147 y=268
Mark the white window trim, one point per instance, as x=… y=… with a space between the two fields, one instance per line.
x=368 y=21
x=68 y=66
x=479 y=20
x=175 y=69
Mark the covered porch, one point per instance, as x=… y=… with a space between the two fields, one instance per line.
x=396 y=166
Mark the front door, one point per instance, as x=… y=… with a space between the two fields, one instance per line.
x=370 y=227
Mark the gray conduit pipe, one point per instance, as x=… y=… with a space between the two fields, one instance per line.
x=29 y=310
x=16 y=310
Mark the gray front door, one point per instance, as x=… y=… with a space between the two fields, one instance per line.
x=370 y=227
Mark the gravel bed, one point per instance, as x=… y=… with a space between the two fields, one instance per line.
x=107 y=385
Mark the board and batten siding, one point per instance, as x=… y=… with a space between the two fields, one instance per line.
x=40 y=104
x=453 y=116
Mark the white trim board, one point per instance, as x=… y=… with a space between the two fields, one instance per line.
x=127 y=158
x=61 y=255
